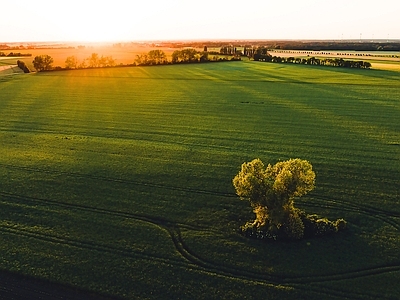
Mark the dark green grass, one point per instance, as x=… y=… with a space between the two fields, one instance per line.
x=119 y=180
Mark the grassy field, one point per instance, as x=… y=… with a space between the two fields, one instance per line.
x=119 y=181
x=124 y=55
x=380 y=60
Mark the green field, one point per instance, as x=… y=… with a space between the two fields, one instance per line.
x=119 y=181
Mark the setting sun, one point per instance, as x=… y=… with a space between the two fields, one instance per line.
x=43 y=20
x=198 y=150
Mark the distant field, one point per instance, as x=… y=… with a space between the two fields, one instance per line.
x=380 y=60
x=6 y=70
x=121 y=55
x=126 y=55
x=119 y=181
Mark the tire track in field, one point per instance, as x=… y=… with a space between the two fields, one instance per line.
x=140 y=136
x=332 y=202
x=139 y=217
x=196 y=262
x=119 y=180
x=337 y=204
x=192 y=258
x=364 y=207
x=384 y=216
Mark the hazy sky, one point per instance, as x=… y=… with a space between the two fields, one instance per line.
x=87 y=20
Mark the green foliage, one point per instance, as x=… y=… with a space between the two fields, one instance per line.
x=294 y=226
x=157 y=57
x=23 y=66
x=43 y=63
x=271 y=191
x=262 y=55
x=153 y=57
x=186 y=55
x=317 y=226
x=297 y=225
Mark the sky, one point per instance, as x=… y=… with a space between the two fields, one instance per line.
x=123 y=20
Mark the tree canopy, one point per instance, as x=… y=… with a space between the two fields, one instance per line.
x=271 y=191
x=43 y=63
x=71 y=62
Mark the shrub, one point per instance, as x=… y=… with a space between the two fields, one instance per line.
x=294 y=227
x=23 y=66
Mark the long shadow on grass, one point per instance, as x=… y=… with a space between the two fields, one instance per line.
x=17 y=286
x=192 y=259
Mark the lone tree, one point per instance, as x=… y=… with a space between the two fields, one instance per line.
x=43 y=63
x=271 y=192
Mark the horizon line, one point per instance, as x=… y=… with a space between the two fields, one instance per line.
x=196 y=40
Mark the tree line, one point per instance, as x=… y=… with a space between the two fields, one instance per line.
x=14 y=54
x=188 y=55
x=93 y=61
x=263 y=55
x=153 y=57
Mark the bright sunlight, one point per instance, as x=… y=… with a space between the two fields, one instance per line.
x=45 y=20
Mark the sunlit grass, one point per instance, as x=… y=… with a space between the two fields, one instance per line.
x=120 y=180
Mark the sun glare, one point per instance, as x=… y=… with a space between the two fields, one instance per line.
x=41 y=20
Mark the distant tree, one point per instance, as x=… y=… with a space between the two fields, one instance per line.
x=142 y=59
x=102 y=62
x=271 y=191
x=367 y=65
x=82 y=65
x=71 y=62
x=204 y=57
x=156 y=57
x=43 y=63
x=110 y=61
x=290 y=59
x=93 y=60
x=189 y=55
x=106 y=61
x=176 y=56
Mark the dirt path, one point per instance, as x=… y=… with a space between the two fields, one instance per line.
x=10 y=69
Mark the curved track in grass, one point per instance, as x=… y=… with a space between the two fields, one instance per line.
x=194 y=261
